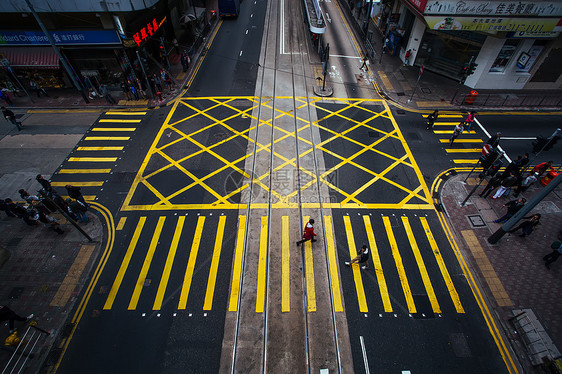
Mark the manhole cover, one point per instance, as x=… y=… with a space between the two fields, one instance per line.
x=373 y=134
x=425 y=90
x=476 y=221
x=400 y=111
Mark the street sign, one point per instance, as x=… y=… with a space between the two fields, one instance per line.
x=5 y=62
x=421 y=70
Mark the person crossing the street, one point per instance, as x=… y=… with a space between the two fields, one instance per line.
x=361 y=258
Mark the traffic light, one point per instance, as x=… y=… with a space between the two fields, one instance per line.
x=471 y=68
x=463 y=73
x=551 y=143
x=539 y=144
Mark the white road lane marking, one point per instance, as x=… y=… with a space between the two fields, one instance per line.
x=363 y=350
x=488 y=135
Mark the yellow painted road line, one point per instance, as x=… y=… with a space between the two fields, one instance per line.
x=334 y=278
x=460 y=150
x=421 y=266
x=78 y=184
x=262 y=258
x=442 y=267
x=121 y=223
x=95 y=138
x=237 y=267
x=385 y=80
x=285 y=265
x=451 y=116
x=214 y=265
x=72 y=278
x=188 y=277
x=355 y=267
x=84 y=171
x=452 y=131
x=100 y=148
x=462 y=141
x=399 y=266
x=146 y=265
x=92 y=159
x=309 y=268
x=168 y=266
x=377 y=264
x=124 y=265
x=473 y=161
x=126 y=113
x=446 y=123
x=120 y=120
x=114 y=129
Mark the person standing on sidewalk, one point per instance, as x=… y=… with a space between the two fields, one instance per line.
x=45 y=184
x=308 y=233
x=11 y=117
x=506 y=184
x=542 y=168
x=126 y=91
x=492 y=185
x=79 y=209
x=527 y=182
x=364 y=66
x=105 y=93
x=75 y=193
x=527 y=226
x=456 y=132
x=4 y=206
x=512 y=207
x=407 y=57
x=494 y=140
x=157 y=82
x=361 y=258
x=7 y=314
x=432 y=118
x=553 y=256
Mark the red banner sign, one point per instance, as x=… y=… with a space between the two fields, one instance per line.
x=147 y=31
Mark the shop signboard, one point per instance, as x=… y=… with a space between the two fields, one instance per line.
x=532 y=35
x=419 y=4
x=494 y=8
x=492 y=24
x=525 y=63
x=74 y=37
x=147 y=31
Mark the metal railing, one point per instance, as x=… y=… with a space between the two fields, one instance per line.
x=509 y=100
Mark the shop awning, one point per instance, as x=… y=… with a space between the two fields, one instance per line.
x=31 y=57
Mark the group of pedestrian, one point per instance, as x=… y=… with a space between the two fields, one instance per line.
x=134 y=89
x=185 y=60
x=362 y=253
x=465 y=124
x=511 y=179
x=36 y=209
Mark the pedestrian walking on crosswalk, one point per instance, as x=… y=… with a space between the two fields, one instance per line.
x=361 y=258
x=432 y=118
x=308 y=233
x=468 y=121
x=458 y=130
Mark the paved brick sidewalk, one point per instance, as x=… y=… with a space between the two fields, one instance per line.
x=43 y=273
x=511 y=272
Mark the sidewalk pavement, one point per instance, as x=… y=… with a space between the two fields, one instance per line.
x=43 y=273
x=511 y=272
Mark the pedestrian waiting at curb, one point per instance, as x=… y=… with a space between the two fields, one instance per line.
x=308 y=233
x=78 y=209
x=525 y=184
x=494 y=140
x=5 y=208
x=506 y=185
x=528 y=226
x=45 y=184
x=491 y=186
x=125 y=88
x=431 y=118
x=361 y=258
x=105 y=93
x=459 y=128
x=513 y=207
x=11 y=117
x=7 y=314
x=75 y=193
x=553 y=256
x=542 y=168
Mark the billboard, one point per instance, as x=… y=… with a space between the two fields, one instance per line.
x=492 y=24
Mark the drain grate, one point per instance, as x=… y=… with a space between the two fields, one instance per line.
x=476 y=220
x=425 y=90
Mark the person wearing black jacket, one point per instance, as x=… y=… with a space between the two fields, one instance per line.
x=492 y=185
x=512 y=207
x=11 y=117
x=527 y=226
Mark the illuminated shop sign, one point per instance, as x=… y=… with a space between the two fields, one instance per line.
x=147 y=31
x=59 y=37
x=492 y=24
x=493 y=8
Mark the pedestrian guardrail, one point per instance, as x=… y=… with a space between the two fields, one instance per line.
x=23 y=349
x=508 y=100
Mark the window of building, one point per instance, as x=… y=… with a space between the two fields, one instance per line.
x=506 y=53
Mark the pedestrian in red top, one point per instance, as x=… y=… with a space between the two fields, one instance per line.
x=542 y=168
x=308 y=233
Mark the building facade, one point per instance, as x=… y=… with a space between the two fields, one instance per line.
x=516 y=44
x=102 y=42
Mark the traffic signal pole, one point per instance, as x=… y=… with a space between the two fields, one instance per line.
x=496 y=236
x=545 y=145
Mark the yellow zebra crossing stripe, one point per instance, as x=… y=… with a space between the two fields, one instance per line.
x=460 y=150
x=309 y=267
x=214 y=265
x=191 y=263
x=285 y=265
x=334 y=278
x=355 y=267
x=462 y=141
x=237 y=268
x=262 y=265
x=126 y=113
x=377 y=264
x=399 y=266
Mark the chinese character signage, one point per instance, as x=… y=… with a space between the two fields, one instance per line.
x=493 y=8
x=59 y=37
x=492 y=24
x=419 y=4
x=147 y=31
